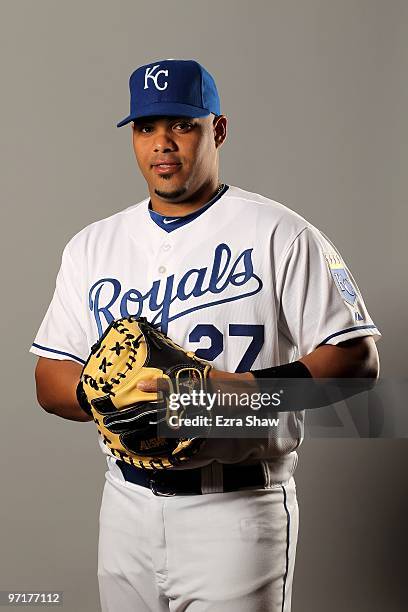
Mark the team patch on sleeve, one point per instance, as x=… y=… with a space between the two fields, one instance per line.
x=343 y=283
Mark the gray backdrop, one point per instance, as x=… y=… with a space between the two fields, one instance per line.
x=316 y=93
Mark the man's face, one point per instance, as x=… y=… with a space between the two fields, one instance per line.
x=177 y=155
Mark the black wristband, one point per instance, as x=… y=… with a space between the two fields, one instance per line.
x=268 y=378
x=296 y=369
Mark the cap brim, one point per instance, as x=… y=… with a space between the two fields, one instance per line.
x=166 y=108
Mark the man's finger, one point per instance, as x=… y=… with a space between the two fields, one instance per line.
x=148 y=386
x=154 y=385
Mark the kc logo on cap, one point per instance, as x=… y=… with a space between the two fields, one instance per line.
x=175 y=88
x=149 y=75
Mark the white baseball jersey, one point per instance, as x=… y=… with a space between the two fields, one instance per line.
x=244 y=282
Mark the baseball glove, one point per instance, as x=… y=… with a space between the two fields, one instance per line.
x=130 y=350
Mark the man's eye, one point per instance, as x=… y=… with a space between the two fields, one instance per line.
x=183 y=126
x=142 y=128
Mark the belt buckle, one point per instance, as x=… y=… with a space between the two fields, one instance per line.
x=154 y=488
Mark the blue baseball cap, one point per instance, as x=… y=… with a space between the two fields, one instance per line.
x=172 y=87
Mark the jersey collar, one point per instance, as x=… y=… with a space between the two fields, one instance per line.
x=169 y=224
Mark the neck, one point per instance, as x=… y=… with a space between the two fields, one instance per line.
x=193 y=202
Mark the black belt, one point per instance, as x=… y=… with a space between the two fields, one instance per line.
x=188 y=482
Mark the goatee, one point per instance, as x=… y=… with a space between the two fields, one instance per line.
x=171 y=195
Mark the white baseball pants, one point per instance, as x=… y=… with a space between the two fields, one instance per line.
x=219 y=552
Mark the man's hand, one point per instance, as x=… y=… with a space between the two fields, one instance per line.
x=228 y=387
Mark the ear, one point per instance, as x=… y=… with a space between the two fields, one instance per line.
x=220 y=129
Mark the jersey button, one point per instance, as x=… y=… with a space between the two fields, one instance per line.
x=166 y=247
x=162 y=270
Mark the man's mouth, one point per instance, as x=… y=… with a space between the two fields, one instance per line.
x=164 y=167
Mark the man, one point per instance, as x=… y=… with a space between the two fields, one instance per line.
x=247 y=284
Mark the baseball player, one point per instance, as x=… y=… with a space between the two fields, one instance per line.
x=247 y=284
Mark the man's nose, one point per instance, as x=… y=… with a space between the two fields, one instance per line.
x=164 y=142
